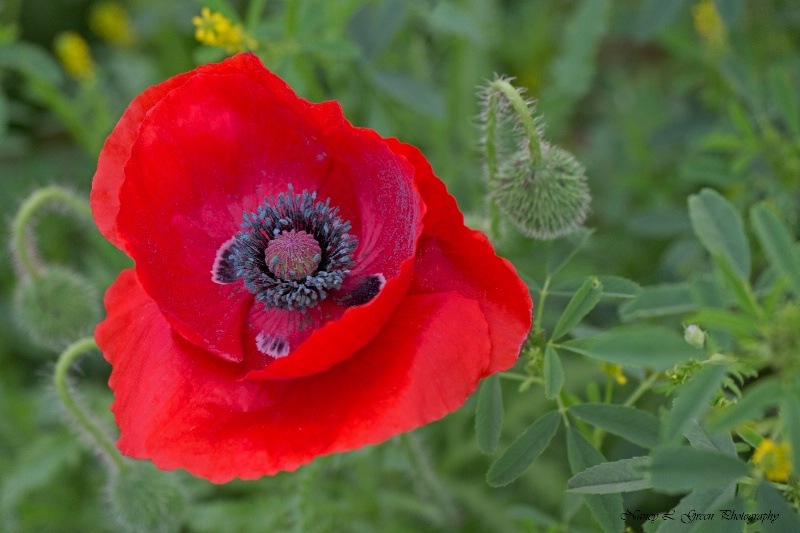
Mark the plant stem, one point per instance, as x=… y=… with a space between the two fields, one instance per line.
x=540 y=308
x=643 y=387
x=424 y=473
x=562 y=408
x=60 y=376
x=20 y=227
x=502 y=87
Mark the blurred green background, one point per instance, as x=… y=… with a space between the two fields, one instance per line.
x=656 y=98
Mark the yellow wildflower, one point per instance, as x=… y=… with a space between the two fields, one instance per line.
x=708 y=23
x=110 y=21
x=773 y=459
x=215 y=29
x=615 y=371
x=73 y=52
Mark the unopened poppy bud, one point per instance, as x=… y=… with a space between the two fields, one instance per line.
x=143 y=499
x=57 y=307
x=545 y=200
x=540 y=187
x=694 y=336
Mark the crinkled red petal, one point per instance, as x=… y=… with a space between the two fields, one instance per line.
x=213 y=148
x=115 y=153
x=183 y=407
x=452 y=257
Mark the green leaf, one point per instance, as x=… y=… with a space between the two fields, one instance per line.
x=634 y=425
x=449 y=18
x=3 y=114
x=659 y=300
x=777 y=244
x=578 y=307
x=784 y=94
x=790 y=418
x=565 y=248
x=613 y=287
x=675 y=470
x=625 y=475
x=553 y=372
x=778 y=515
x=573 y=69
x=654 y=15
x=701 y=502
x=524 y=451
x=489 y=414
x=606 y=508
x=719 y=227
x=412 y=92
x=755 y=400
x=637 y=346
x=738 y=287
x=35 y=467
x=702 y=440
x=727 y=320
x=693 y=400
x=32 y=60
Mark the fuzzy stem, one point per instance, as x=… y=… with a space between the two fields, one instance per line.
x=298 y=506
x=60 y=378
x=502 y=87
x=421 y=466
x=21 y=248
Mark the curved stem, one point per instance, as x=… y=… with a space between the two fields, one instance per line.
x=20 y=226
x=60 y=375
x=643 y=387
x=537 y=324
x=562 y=408
x=520 y=106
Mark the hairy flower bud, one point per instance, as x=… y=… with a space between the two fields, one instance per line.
x=143 y=499
x=540 y=187
x=544 y=201
x=57 y=307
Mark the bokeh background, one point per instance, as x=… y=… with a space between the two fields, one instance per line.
x=656 y=98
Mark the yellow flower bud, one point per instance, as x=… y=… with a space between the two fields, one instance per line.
x=73 y=52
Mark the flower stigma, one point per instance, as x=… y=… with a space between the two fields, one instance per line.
x=292 y=252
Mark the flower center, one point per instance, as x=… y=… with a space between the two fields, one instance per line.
x=293 y=254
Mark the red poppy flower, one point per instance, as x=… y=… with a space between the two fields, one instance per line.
x=301 y=287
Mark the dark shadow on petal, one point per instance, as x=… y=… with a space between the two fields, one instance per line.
x=368 y=289
x=224 y=271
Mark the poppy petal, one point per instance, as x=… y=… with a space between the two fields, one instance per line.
x=183 y=407
x=452 y=257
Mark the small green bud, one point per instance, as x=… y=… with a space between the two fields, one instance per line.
x=694 y=336
x=144 y=499
x=57 y=307
x=541 y=188
x=544 y=201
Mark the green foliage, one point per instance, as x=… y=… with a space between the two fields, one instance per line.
x=523 y=451
x=489 y=414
